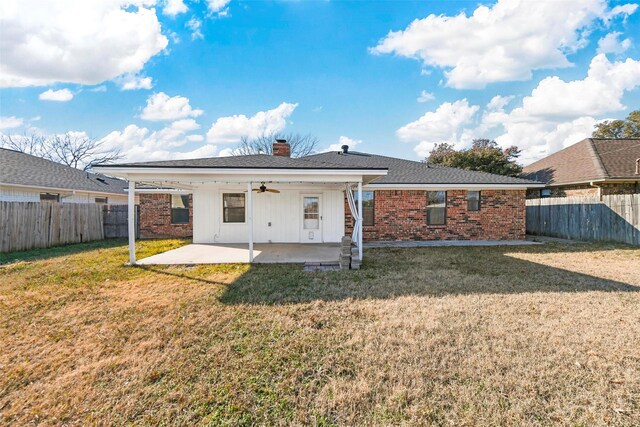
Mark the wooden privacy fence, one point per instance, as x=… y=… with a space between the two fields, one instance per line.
x=28 y=225
x=615 y=218
x=115 y=220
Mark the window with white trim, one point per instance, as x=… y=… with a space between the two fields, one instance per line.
x=233 y=207
x=436 y=207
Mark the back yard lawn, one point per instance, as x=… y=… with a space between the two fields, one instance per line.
x=533 y=335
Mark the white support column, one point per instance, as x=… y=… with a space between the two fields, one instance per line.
x=250 y=219
x=361 y=220
x=132 y=222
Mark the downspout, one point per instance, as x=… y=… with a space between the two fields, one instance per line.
x=591 y=183
x=637 y=186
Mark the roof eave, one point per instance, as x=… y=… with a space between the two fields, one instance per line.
x=7 y=184
x=456 y=186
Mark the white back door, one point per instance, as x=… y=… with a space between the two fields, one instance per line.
x=311 y=219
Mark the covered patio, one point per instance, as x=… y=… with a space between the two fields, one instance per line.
x=263 y=253
x=255 y=208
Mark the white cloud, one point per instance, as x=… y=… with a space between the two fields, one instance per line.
x=425 y=97
x=232 y=128
x=161 y=106
x=101 y=88
x=445 y=124
x=600 y=92
x=344 y=140
x=611 y=43
x=10 y=122
x=71 y=41
x=623 y=10
x=218 y=6
x=194 y=25
x=498 y=102
x=174 y=7
x=134 y=82
x=62 y=95
x=139 y=144
x=559 y=113
x=504 y=42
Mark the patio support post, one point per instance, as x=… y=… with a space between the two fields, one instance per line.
x=250 y=219
x=361 y=220
x=131 y=222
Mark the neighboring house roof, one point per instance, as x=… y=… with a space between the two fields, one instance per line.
x=588 y=160
x=22 y=169
x=252 y=161
x=403 y=171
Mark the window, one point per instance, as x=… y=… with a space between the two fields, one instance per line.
x=436 y=207
x=473 y=200
x=179 y=209
x=102 y=200
x=49 y=197
x=367 y=206
x=233 y=207
x=545 y=192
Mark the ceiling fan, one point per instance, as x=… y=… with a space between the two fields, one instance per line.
x=263 y=188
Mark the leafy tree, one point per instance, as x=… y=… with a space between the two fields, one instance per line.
x=301 y=145
x=626 y=128
x=71 y=149
x=484 y=155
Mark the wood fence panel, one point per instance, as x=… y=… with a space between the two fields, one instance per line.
x=116 y=220
x=615 y=218
x=28 y=225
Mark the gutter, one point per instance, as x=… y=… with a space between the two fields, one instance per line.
x=454 y=186
x=38 y=188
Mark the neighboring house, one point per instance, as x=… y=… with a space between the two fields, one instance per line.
x=27 y=178
x=592 y=167
x=312 y=199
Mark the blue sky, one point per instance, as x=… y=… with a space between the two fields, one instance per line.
x=184 y=78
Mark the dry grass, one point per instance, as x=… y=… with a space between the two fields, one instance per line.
x=542 y=335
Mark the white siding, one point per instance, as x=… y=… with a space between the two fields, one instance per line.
x=277 y=217
x=18 y=194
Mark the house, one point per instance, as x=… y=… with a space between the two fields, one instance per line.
x=591 y=167
x=27 y=178
x=316 y=199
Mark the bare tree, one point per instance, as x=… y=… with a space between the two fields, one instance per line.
x=301 y=145
x=71 y=149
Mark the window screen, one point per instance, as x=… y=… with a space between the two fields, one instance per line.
x=368 y=217
x=233 y=207
x=49 y=197
x=436 y=207
x=473 y=200
x=179 y=209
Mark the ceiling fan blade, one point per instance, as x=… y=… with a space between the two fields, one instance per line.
x=256 y=189
x=271 y=190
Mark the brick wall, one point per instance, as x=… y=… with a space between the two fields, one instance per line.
x=155 y=218
x=623 y=188
x=585 y=190
x=400 y=215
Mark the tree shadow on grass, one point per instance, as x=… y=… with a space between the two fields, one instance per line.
x=394 y=272
x=56 y=251
x=182 y=274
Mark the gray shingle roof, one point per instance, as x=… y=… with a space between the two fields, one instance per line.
x=24 y=169
x=253 y=161
x=589 y=159
x=400 y=171
x=403 y=171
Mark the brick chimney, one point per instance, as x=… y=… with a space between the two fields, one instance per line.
x=281 y=148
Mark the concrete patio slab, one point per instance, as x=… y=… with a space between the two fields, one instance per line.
x=266 y=253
